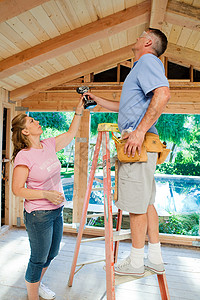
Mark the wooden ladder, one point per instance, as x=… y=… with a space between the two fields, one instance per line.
x=111 y=249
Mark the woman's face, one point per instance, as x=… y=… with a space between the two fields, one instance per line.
x=32 y=127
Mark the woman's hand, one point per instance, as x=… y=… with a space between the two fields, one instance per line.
x=54 y=196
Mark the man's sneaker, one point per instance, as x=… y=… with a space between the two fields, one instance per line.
x=156 y=268
x=45 y=292
x=125 y=268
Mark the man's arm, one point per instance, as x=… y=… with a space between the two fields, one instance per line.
x=108 y=104
x=156 y=107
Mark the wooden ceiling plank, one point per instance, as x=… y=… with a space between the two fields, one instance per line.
x=174 y=34
x=99 y=63
x=158 y=10
x=31 y=23
x=76 y=38
x=45 y=22
x=184 y=37
x=21 y=29
x=12 y=8
x=56 y=16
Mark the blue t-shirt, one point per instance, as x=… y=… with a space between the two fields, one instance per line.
x=146 y=75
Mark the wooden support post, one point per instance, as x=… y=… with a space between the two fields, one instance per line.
x=118 y=73
x=191 y=74
x=81 y=166
x=166 y=65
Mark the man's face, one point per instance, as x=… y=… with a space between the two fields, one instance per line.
x=141 y=41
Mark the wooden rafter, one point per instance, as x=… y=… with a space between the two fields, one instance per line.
x=183 y=56
x=97 y=64
x=136 y=15
x=183 y=15
x=183 y=9
x=12 y=8
x=158 y=9
x=177 y=53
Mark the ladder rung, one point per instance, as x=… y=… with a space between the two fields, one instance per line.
x=100 y=238
x=121 y=235
x=117 y=236
x=98 y=179
x=90 y=262
x=101 y=189
x=99 y=215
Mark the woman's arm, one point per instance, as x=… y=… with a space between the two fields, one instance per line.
x=20 y=175
x=65 y=139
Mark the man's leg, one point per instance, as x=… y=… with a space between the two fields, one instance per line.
x=152 y=224
x=155 y=261
x=138 y=225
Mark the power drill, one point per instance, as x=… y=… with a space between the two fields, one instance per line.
x=88 y=103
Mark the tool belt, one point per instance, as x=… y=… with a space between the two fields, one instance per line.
x=151 y=143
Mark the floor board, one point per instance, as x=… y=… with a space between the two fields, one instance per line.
x=182 y=271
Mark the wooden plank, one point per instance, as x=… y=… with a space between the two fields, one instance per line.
x=12 y=8
x=184 y=9
x=183 y=55
x=158 y=10
x=76 y=38
x=93 y=65
x=181 y=20
x=81 y=166
x=21 y=29
x=45 y=22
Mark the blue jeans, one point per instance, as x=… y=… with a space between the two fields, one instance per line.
x=45 y=229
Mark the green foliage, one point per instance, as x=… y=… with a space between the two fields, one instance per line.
x=179 y=168
x=97 y=118
x=58 y=120
x=180 y=224
x=171 y=128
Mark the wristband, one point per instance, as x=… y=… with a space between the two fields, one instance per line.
x=78 y=114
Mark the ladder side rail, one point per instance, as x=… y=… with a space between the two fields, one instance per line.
x=162 y=281
x=110 y=276
x=118 y=227
x=85 y=207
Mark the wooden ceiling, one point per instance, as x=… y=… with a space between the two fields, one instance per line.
x=47 y=43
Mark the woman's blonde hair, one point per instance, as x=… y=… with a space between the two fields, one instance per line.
x=20 y=141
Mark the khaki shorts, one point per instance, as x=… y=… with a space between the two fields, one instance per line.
x=136 y=185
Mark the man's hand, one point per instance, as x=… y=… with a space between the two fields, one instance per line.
x=134 y=142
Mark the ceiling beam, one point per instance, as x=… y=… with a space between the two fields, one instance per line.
x=110 y=25
x=158 y=9
x=12 y=8
x=184 y=15
x=183 y=9
x=183 y=56
x=180 y=54
x=94 y=65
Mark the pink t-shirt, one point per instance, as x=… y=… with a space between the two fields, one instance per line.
x=44 y=173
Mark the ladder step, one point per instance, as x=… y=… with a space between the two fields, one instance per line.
x=121 y=235
x=90 y=262
x=100 y=238
x=117 y=236
x=99 y=215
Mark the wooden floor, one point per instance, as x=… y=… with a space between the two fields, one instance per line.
x=182 y=271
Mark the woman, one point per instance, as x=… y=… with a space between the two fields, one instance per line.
x=37 y=166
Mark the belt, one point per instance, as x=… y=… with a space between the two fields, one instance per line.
x=151 y=143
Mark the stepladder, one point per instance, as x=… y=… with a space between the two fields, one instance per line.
x=111 y=238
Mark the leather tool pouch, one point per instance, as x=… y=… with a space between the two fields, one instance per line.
x=151 y=143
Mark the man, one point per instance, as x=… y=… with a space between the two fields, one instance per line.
x=145 y=94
